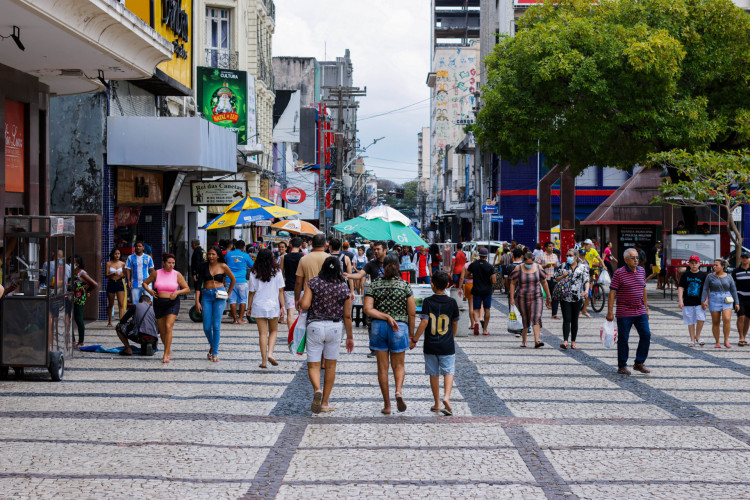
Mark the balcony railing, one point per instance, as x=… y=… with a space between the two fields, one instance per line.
x=265 y=73
x=270 y=8
x=222 y=58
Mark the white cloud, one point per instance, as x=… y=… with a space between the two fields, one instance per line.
x=389 y=41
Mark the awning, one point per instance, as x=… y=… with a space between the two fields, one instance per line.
x=68 y=42
x=186 y=144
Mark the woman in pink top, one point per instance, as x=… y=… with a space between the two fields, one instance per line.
x=168 y=285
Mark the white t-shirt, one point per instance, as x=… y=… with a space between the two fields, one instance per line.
x=266 y=298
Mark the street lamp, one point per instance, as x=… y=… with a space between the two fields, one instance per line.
x=374 y=141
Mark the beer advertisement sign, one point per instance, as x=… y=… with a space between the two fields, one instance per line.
x=223 y=99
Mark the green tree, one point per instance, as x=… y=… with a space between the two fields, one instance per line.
x=710 y=179
x=410 y=194
x=609 y=83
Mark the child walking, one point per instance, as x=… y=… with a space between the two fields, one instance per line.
x=439 y=324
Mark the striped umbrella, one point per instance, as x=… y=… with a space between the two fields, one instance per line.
x=296 y=226
x=248 y=210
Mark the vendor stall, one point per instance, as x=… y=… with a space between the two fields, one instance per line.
x=35 y=314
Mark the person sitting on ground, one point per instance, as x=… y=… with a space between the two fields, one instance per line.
x=439 y=313
x=145 y=320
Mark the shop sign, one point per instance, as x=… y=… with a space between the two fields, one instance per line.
x=223 y=99
x=293 y=195
x=15 y=146
x=172 y=20
x=263 y=223
x=138 y=187
x=127 y=216
x=216 y=193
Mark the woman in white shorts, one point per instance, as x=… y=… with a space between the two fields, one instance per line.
x=327 y=301
x=266 y=302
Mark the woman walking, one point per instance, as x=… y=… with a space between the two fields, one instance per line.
x=720 y=297
x=266 y=303
x=572 y=286
x=435 y=257
x=168 y=285
x=390 y=303
x=211 y=297
x=525 y=293
x=610 y=262
x=328 y=304
x=115 y=273
x=83 y=284
x=359 y=263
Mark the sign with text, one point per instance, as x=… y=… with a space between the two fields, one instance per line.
x=489 y=209
x=223 y=99
x=293 y=195
x=516 y=222
x=15 y=146
x=216 y=193
x=496 y=218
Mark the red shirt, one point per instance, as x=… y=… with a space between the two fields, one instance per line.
x=458 y=262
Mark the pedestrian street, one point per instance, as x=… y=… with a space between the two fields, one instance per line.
x=528 y=423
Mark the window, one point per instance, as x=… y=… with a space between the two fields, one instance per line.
x=218 y=28
x=588 y=178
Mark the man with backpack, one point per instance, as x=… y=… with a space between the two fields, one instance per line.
x=346 y=264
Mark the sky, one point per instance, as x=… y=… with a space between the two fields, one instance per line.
x=389 y=42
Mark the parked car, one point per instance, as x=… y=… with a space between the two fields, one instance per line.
x=470 y=247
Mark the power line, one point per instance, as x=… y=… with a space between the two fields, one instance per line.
x=393 y=110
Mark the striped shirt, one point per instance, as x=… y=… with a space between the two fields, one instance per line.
x=742 y=281
x=139 y=266
x=629 y=286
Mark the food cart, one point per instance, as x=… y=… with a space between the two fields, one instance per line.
x=35 y=314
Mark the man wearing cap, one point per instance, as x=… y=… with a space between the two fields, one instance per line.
x=594 y=261
x=484 y=281
x=689 y=295
x=741 y=277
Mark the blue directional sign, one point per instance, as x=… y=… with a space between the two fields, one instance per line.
x=496 y=218
x=516 y=222
x=489 y=209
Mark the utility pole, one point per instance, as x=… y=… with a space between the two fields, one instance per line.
x=321 y=171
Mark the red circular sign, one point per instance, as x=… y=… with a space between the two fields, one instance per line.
x=293 y=195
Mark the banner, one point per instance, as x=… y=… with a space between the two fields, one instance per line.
x=252 y=116
x=15 y=146
x=216 y=193
x=223 y=98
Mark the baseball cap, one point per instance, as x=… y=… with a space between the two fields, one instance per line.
x=582 y=251
x=695 y=258
x=745 y=254
x=588 y=242
x=483 y=252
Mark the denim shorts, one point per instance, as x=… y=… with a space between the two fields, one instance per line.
x=239 y=294
x=716 y=301
x=443 y=364
x=692 y=314
x=383 y=338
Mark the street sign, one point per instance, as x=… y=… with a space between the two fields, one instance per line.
x=496 y=218
x=737 y=214
x=489 y=209
x=516 y=222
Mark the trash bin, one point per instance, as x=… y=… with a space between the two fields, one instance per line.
x=464 y=321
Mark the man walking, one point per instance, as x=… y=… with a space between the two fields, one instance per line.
x=198 y=258
x=423 y=264
x=239 y=262
x=741 y=277
x=289 y=264
x=346 y=264
x=629 y=288
x=484 y=279
x=373 y=269
x=309 y=266
x=689 y=296
x=138 y=267
x=549 y=262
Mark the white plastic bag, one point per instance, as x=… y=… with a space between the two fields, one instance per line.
x=298 y=335
x=515 y=323
x=608 y=334
x=604 y=278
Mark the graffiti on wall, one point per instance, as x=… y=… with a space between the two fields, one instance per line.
x=457 y=78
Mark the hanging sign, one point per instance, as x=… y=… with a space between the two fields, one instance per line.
x=15 y=147
x=216 y=193
x=223 y=99
x=293 y=195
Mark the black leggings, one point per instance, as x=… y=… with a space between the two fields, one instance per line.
x=570 y=312
x=78 y=318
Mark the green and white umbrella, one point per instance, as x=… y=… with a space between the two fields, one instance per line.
x=379 y=229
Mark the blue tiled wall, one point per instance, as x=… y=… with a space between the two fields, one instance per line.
x=108 y=227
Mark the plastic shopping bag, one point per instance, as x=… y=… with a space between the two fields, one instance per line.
x=608 y=334
x=515 y=324
x=604 y=278
x=297 y=335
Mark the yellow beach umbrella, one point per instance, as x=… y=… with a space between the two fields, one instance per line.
x=248 y=210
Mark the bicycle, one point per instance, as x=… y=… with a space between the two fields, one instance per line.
x=598 y=297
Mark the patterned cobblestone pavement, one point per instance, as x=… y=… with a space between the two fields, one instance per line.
x=528 y=423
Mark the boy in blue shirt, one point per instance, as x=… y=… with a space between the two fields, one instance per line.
x=439 y=324
x=239 y=262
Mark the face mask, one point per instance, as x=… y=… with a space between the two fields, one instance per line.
x=528 y=266
x=571 y=260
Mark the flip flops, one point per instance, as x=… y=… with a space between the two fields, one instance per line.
x=564 y=346
x=447 y=410
x=400 y=403
x=316 y=402
x=273 y=361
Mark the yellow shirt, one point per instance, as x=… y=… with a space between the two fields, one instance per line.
x=591 y=258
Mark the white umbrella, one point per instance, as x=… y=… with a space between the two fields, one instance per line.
x=388 y=214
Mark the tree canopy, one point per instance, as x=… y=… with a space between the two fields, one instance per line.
x=609 y=83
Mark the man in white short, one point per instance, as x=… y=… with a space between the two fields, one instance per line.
x=689 y=295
